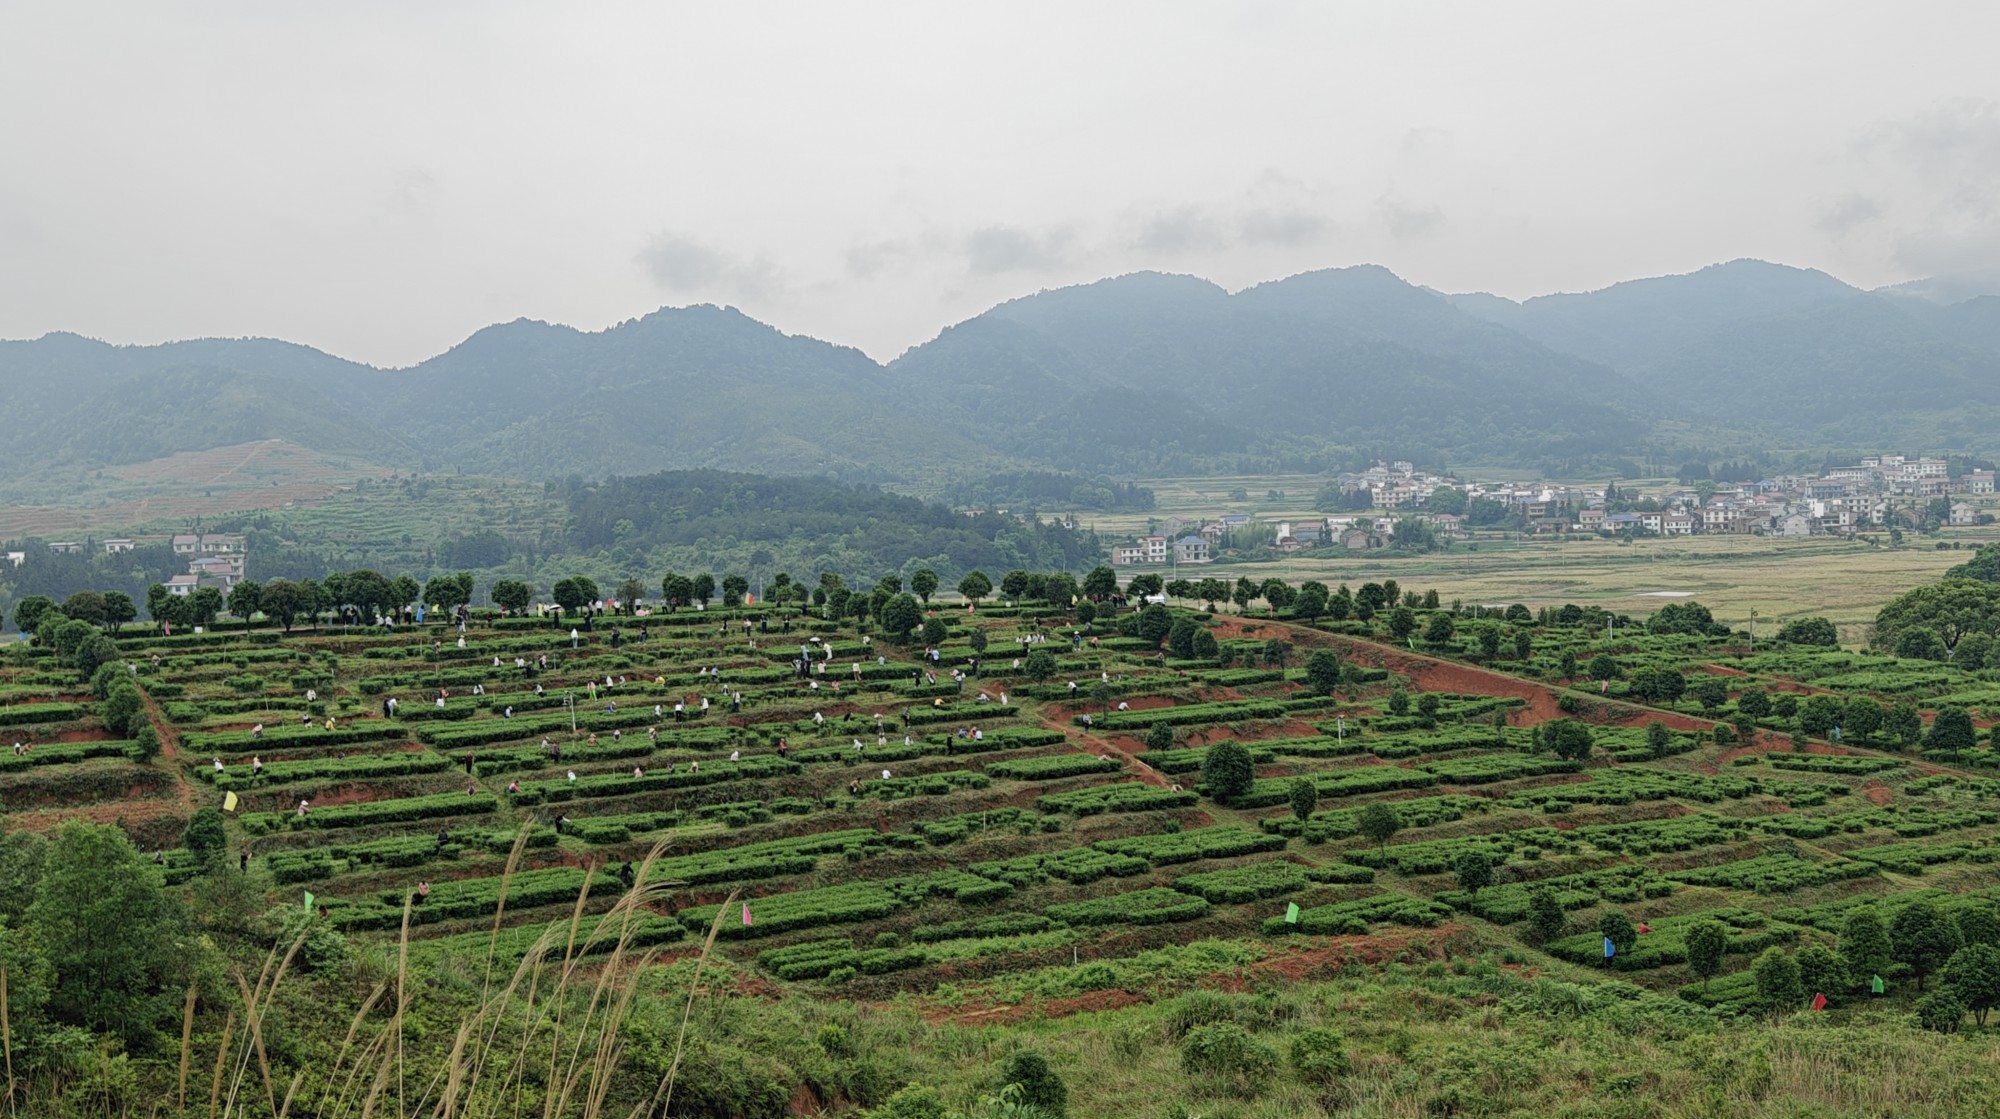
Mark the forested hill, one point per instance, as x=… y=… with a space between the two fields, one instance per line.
x=803 y=526
x=1141 y=374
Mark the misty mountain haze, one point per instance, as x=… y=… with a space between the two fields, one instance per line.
x=1145 y=372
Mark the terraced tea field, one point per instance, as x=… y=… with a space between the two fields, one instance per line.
x=868 y=827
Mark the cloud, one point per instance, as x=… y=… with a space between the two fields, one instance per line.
x=1849 y=212
x=1407 y=221
x=684 y=265
x=1282 y=227
x=1185 y=229
x=1007 y=248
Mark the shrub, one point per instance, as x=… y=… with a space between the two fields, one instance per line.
x=1225 y=1052
x=1041 y=1086
x=1940 y=1011
x=1778 y=983
x=1318 y=1057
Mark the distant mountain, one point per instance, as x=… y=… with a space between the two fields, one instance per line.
x=1953 y=288
x=1141 y=374
x=1639 y=324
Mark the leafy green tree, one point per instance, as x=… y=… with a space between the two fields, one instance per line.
x=1243 y=593
x=1014 y=585
x=1861 y=718
x=1399 y=702
x=1100 y=583
x=1809 y=631
x=118 y=609
x=1473 y=869
x=204 y=604
x=1227 y=770
x=124 y=710
x=114 y=939
x=1754 y=703
x=1439 y=630
x=1602 y=667
x=1322 y=671
x=1040 y=665
x=701 y=588
x=924 y=584
x=1822 y=971
x=1146 y=585
x=204 y=835
x=85 y=606
x=1205 y=645
x=404 y=590
x=1784 y=705
x=1041 y=1086
x=1659 y=739
x=244 y=598
x=1159 y=738
x=30 y=611
x=1524 y=644
x=734 y=587
x=934 y=631
x=1921 y=643
x=1777 y=977
x=1489 y=641
x=574 y=593
x=975 y=586
x=1155 y=623
x=1972 y=976
x=900 y=615
x=1311 y=601
x=511 y=595
x=1617 y=928
x=1947 y=610
x=1658 y=685
x=1711 y=693
x=1402 y=623
x=1378 y=822
x=1566 y=665
x=1978 y=923
x=1707 y=942
x=1951 y=731
x=1303 y=796
x=1567 y=739
x=284 y=601
x=1180 y=638
x=1921 y=938
x=449 y=592
x=1058 y=589
x=1428 y=705
x=1819 y=715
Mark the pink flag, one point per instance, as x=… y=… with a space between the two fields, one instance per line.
x=746 y=912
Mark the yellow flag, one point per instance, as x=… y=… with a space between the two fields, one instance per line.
x=229 y=802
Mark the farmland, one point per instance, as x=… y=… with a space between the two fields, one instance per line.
x=830 y=825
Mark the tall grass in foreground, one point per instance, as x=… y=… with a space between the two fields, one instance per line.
x=544 y=1042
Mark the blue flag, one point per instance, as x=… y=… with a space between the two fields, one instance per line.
x=1610 y=949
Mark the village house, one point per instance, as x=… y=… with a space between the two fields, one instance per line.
x=118 y=545
x=186 y=544
x=1978 y=481
x=1190 y=549
x=182 y=585
x=66 y=547
x=1962 y=514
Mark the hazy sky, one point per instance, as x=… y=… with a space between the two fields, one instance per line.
x=381 y=179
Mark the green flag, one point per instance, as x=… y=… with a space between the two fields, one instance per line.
x=1877 y=986
x=309 y=901
x=1291 y=913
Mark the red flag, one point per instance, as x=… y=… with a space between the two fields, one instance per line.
x=746 y=912
x=1819 y=1002
x=1645 y=928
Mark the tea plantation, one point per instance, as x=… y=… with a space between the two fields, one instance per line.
x=1026 y=810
